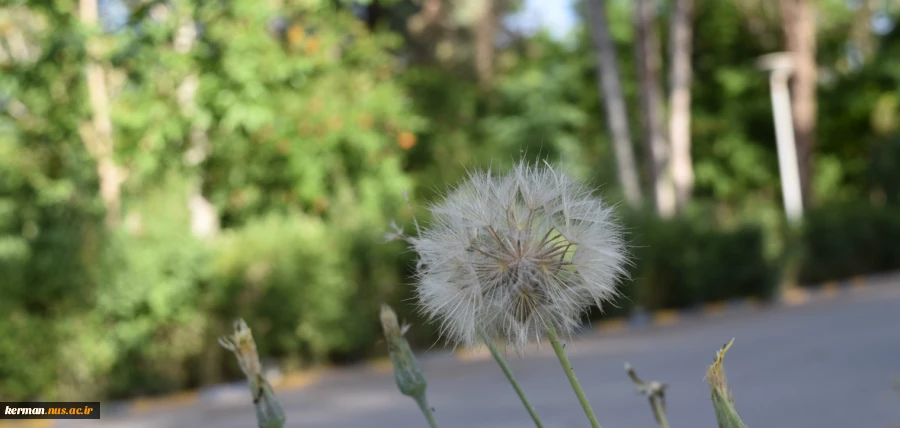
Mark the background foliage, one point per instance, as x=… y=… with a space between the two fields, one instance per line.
x=301 y=124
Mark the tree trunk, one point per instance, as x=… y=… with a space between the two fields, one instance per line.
x=204 y=216
x=97 y=137
x=647 y=51
x=373 y=14
x=610 y=87
x=861 y=36
x=680 y=34
x=762 y=21
x=799 y=23
x=485 y=30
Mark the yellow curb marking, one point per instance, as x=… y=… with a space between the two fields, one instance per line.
x=381 y=365
x=142 y=405
x=830 y=289
x=714 y=308
x=613 y=325
x=796 y=296
x=296 y=380
x=665 y=317
x=466 y=354
x=858 y=283
x=30 y=423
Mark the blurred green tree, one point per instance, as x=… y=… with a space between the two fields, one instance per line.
x=267 y=145
x=281 y=122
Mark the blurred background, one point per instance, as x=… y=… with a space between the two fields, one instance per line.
x=168 y=166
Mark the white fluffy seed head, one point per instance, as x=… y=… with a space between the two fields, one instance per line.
x=509 y=255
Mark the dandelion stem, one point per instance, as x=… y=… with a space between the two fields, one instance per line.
x=660 y=412
x=512 y=380
x=567 y=367
x=426 y=410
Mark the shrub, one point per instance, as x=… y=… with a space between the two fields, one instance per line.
x=842 y=241
x=147 y=304
x=684 y=262
x=289 y=275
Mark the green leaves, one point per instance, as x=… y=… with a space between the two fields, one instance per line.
x=292 y=135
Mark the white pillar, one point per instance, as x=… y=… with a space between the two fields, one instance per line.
x=787 y=148
x=780 y=66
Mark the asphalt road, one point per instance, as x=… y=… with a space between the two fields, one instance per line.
x=826 y=364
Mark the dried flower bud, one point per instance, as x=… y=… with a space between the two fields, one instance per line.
x=243 y=346
x=410 y=379
x=269 y=413
x=723 y=402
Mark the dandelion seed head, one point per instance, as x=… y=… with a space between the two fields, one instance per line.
x=509 y=255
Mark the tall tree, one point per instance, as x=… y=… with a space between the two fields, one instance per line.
x=799 y=24
x=762 y=19
x=657 y=150
x=98 y=136
x=485 y=31
x=680 y=43
x=610 y=86
x=459 y=36
x=204 y=215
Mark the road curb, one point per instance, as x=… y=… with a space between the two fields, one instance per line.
x=794 y=296
x=791 y=297
x=239 y=393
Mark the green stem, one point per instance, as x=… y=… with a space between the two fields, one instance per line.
x=512 y=380
x=567 y=367
x=660 y=412
x=426 y=410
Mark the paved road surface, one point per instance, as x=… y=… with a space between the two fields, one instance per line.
x=826 y=364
